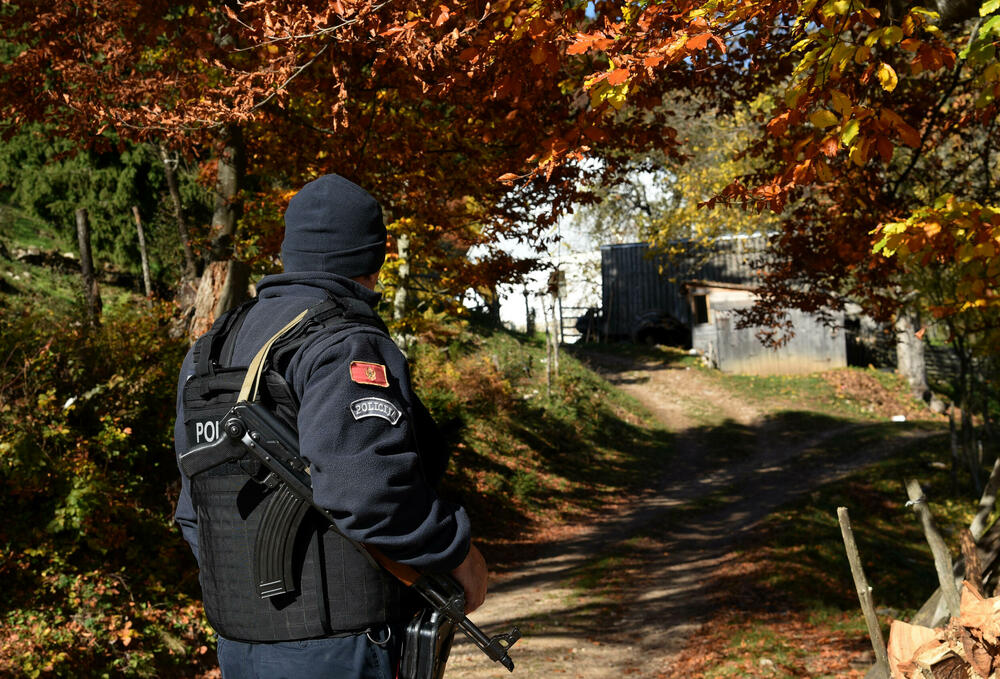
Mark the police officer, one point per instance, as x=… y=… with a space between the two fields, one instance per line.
x=373 y=453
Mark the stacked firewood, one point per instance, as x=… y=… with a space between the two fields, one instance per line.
x=968 y=647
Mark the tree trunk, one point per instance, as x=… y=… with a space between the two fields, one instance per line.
x=399 y=300
x=494 y=307
x=170 y=171
x=224 y=283
x=147 y=284
x=229 y=179
x=910 y=360
x=939 y=550
x=91 y=291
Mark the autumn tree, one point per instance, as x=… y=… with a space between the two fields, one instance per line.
x=427 y=104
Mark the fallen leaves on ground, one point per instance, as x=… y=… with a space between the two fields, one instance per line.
x=865 y=389
x=752 y=634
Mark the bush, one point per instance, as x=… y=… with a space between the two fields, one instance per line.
x=98 y=580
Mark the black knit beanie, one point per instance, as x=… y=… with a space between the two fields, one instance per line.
x=333 y=225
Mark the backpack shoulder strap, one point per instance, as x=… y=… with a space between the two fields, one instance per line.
x=327 y=315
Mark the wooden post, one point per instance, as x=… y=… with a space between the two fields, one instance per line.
x=90 y=288
x=555 y=336
x=973 y=566
x=399 y=301
x=548 y=349
x=942 y=558
x=986 y=503
x=142 y=252
x=864 y=595
x=529 y=314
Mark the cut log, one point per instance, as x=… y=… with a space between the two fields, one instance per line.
x=934 y=612
x=223 y=286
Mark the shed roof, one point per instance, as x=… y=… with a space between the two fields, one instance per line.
x=724 y=285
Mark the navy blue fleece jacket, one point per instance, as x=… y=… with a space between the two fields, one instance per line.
x=376 y=477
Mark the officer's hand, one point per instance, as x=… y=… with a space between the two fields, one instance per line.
x=471 y=575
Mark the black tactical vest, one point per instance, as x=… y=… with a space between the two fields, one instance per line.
x=337 y=588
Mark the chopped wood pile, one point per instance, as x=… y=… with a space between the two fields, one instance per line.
x=968 y=647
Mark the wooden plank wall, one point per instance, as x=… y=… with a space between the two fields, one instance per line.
x=815 y=346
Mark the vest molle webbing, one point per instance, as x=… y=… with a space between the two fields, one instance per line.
x=337 y=588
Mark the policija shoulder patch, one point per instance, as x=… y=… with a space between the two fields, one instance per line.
x=369 y=373
x=375 y=407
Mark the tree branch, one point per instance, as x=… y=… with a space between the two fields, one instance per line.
x=932 y=119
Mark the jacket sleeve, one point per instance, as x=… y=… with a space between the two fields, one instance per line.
x=184 y=514
x=359 y=436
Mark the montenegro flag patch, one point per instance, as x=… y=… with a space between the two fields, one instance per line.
x=369 y=373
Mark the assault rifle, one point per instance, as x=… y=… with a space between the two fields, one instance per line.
x=250 y=427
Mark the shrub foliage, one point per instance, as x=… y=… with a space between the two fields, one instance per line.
x=97 y=581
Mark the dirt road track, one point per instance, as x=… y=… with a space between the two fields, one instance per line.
x=567 y=634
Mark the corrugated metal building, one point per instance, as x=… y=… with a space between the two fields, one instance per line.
x=634 y=281
x=704 y=291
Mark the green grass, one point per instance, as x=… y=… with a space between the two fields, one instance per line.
x=889 y=537
x=761 y=387
x=22 y=230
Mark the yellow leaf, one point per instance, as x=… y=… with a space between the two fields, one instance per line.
x=842 y=53
x=823 y=118
x=874 y=37
x=891 y=36
x=841 y=102
x=849 y=132
x=859 y=152
x=887 y=77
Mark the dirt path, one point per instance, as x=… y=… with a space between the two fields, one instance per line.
x=567 y=633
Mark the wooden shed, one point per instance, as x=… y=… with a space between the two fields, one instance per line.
x=814 y=347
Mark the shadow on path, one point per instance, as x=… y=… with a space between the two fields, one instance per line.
x=721 y=481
